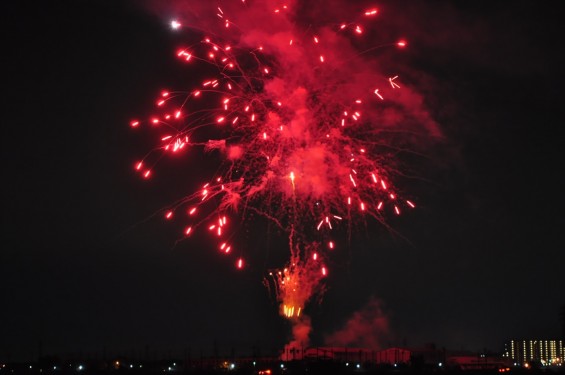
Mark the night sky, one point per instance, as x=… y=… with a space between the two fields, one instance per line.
x=86 y=267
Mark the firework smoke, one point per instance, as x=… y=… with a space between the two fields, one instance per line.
x=367 y=328
x=308 y=124
x=301 y=328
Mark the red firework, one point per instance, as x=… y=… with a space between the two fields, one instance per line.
x=302 y=121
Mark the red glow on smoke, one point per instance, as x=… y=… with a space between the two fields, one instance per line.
x=366 y=328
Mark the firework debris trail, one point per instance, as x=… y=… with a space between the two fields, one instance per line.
x=306 y=125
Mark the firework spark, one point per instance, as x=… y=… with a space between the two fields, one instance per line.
x=299 y=280
x=303 y=123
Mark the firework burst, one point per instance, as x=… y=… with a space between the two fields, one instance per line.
x=305 y=126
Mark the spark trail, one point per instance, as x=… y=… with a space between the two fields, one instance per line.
x=305 y=123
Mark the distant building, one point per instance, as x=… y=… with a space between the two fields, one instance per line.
x=390 y=356
x=475 y=362
x=546 y=352
x=342 y=354
x=427 y=357
x=393 y=356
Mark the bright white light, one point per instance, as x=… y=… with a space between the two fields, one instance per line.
x=175 y=24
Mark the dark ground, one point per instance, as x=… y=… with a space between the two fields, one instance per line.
x=257 y=367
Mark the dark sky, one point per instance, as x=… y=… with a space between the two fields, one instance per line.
x=82 y=269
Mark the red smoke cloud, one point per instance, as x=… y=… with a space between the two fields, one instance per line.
x=367 y=328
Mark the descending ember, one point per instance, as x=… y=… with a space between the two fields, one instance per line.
x=303 y=123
